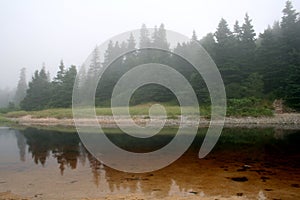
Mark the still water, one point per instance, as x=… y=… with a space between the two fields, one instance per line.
x=249 y=163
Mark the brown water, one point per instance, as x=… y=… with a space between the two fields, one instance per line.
x=249 y=163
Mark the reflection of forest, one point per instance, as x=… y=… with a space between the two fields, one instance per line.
x=185 y=176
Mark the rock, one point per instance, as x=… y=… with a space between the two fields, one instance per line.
x=240 y=179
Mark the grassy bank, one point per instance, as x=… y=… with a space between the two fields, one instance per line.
x=252 y=107
x=61 y=113
x=5 y=122
x=236 y=108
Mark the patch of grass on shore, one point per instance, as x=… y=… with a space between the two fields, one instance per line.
x=15 y=114
x=61 y=113
x=235 y=107
x=58 y=113
x=249 y=107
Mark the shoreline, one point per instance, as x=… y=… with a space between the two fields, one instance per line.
x=281 y=121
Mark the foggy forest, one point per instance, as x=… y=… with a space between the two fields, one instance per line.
x=255 y=67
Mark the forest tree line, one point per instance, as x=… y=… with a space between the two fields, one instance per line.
x=265 y=66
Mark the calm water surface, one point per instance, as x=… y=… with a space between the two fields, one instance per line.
x=44 y=164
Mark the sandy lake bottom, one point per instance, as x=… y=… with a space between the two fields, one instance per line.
x=245 y=164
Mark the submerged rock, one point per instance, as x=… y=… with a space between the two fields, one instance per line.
x=240 y=179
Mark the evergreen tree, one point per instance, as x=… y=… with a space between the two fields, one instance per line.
x=289 y=17
x=237 y=47
x=209 y=44
x=279 y=58
x=247 y=48
x=21 y=88
x=269 y=59
x=293 y=88
x=95 y=64
x=159 y=39
x=254 y=85
x=237 y=31
x=60 y=74
x=290 y=54
x=144 y=56
x=290 y=34
x=144 y=37
x=57 y=97
x=162 y=37
x=223 y=33
x=131 y=43
x=248 y=33
x=194 y=36
x=94 y=70
x=224 y=46
x=38 y=93
x=108 y=55
x=155 y=40
x=67 y=86
x=226 y=55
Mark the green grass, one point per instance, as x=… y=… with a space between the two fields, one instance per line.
x=249 y=107
x=235 y=107
x=60 y=113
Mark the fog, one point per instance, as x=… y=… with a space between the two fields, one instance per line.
x=35 y=32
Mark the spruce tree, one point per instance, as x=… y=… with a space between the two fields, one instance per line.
x=194 y=36
x=290 y=26
x=21 y=87
x=224 y=45
x=67 y=86
x=144 y=37
x=247 y=46
x=131 y=43
x=237 y=31
x=39 y=92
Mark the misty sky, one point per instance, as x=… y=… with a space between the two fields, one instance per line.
x=35 y=31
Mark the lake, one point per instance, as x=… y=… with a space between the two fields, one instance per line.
x=247 y=163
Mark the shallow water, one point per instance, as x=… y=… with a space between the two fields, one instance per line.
x=245 y=162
